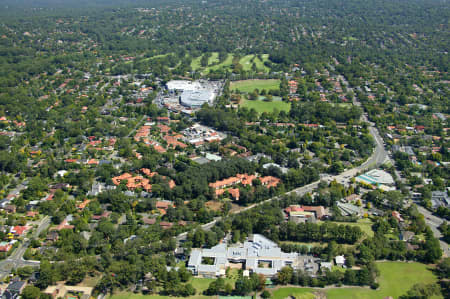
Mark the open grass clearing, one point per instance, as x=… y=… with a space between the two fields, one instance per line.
x=214 y=205
x=90 y=281
x=200 y=284
x=195 y=63
x=396 y=278
x=364 y=224
x=129 y=295
x=298 y=293
x=246 y=62
x=224 y=64
x=251 y=85
x=214 y=58
x=260 y=63
x=264 y=106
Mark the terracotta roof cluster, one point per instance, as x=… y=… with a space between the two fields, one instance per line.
x=318 y=210
x=5 y=247
x=20 y=230
x=83 y=205
x=245 y=179
x=160 y=204
x=105 y=214
x=139 y=181
x=64 y=225
x=171 y=140
x=269 y=181
x=397 y=216
x=148 y=172
x=151 y=174
x=93 y=162
x=32 y=213
x=163 y=119
x=163 y=128
x=234 y=192
x=165 y=225
x=225 y=183
x=143 y=131
x=133 y=182
x=95 y=142
x=294 y=208
x=71 y=160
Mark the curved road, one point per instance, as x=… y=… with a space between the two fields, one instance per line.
x=378 y=157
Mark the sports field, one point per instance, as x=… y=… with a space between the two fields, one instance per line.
x=298 y=293
x=263 y=106
x=251 y=85
x=396 y=278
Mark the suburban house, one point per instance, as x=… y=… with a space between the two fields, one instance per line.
x=297 y=214
x=14 y=289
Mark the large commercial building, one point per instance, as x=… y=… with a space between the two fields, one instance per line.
x=196 y=98
x=183 y=85
x=193 y=94
x=377 y=178
x=258 y=254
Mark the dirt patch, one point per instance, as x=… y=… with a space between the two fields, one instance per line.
x=214 y=205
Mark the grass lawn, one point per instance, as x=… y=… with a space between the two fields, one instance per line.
x=200 y=284
x=364 y=224
x=246 y=62
x=90 y=281
x=298 y=293
x=251 y=85
x=260 y=64
x=396 y=278
x=153 y=57
x=195 y=63
x=128 y=295
x=214 y=58
x=342 y=105
x=263 y=106
x=225 y=64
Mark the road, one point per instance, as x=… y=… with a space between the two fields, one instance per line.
x=378 y=157
x=138 y=125
x=434 y=222
x=15 y=260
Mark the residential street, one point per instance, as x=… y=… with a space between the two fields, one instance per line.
x=15 y=260
x=433 y=222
